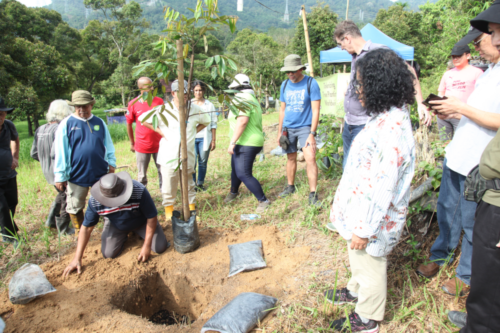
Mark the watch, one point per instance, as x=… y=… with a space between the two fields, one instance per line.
x=232 y=144
x=313 y=133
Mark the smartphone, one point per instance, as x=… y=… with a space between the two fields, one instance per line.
x=433 y=97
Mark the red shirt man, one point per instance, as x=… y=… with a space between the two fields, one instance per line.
x=146 y=142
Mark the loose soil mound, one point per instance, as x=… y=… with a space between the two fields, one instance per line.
x=121 y=295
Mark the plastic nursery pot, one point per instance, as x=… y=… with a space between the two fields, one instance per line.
x=186 y=236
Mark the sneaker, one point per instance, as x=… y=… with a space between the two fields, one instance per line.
x=230 y=197
x=290 y=189
x=313 y=200
x=341 y=296
x=356 y=324
x=200 y=188
x=457 y=318
x=262 y=206
x=331 y=227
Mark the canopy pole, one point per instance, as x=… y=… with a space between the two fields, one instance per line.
x=347 y=11
x=308 y=46
x=321 y=69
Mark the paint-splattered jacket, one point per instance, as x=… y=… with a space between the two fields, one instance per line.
x=372 y=198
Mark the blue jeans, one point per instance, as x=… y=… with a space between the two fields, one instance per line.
x=201 y=159
x=454 y=214
x=348 y=135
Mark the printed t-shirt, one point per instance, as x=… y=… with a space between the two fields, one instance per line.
x=8 y=134
x=298 y=111
x=146 y=140
x=127 y=217
x=460 y=83
x=252 y=135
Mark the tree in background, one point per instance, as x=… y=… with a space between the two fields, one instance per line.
x=321 y=23
x=122 y=24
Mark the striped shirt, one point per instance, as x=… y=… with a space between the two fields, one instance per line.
x=127 y=217
x=372 y=198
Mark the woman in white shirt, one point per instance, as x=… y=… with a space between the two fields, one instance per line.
x=205 y=139
x=371 y=202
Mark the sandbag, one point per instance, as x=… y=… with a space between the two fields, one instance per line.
x=245 y=257
x=28 y=282
x=186 y=236
x=240 y=315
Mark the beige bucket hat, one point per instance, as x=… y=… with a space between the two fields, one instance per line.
x=81 y=97
x=292 y=63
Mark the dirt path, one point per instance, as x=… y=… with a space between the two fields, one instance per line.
x=113 y=295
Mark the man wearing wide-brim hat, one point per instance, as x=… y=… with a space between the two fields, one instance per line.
x=299 y=117
x=84 y=152
x=126 y=206
x=9 y=156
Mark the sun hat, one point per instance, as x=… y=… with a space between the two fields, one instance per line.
x=458 y=50
x=491 y=14
x=240 y=80
x=292 y=63
x=175 y=86
x=81 y=97
x=4 y=107
x=471 y=35
x=113 y=189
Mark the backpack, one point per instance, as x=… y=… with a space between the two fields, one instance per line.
x=309 y=81
x=476 y=185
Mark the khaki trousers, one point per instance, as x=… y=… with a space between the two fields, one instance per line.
x=76 y=198
x=369 y=281
x=170 y=182
x=142 y=167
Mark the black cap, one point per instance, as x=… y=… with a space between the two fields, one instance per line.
x=458 y=50
x=473 y=34
x=4 y=107
x=491 y=14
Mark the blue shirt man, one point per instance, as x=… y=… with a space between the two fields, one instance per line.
x=299 y=116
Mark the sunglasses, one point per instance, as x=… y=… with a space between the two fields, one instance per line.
x=290 y=72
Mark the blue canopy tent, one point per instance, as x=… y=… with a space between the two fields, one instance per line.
x=369 y=32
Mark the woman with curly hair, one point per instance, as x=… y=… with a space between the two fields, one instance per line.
x=370 y=205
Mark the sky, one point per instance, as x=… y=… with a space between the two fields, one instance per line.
x=35 y=3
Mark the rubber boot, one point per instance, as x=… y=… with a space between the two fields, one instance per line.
x=169 y=210
x=63 y=225
x=77 y=220
x=192 y=209
x=53 y=212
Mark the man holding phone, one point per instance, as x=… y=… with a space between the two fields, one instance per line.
x=480 y=119
x=458 y=82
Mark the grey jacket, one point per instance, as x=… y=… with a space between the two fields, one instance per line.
x=42 y=149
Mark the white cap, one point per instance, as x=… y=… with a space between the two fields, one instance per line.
x=240 y=80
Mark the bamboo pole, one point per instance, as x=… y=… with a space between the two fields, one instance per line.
x=182 y=122
x=308 y=46
x=347 y=11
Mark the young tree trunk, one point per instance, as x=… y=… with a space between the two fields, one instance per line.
x=35 y=120
x=182 y=122
x=30 y=128
x=123 y=82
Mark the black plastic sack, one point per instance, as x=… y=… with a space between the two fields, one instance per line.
x=28 y=283
x=186 y=236
x=240 y=315
x=245 y=257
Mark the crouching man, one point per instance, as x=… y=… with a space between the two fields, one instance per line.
x=126 y=206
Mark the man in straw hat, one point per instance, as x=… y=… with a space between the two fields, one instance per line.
x=126 y=206
x=299 y=116
x=84 y=153
x=479 y=122
x=9 y=156
x=168 y=154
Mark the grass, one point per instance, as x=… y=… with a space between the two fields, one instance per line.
x=414 y=304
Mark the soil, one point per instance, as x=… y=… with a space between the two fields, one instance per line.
x=121 y=295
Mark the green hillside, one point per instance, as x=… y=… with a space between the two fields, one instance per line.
x=254 y=15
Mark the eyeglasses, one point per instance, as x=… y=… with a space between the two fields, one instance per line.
x=479 y=41
x=357 y=87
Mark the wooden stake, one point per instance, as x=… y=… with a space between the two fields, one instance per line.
x=347 y=11
x=182 y=122
x=308 y=46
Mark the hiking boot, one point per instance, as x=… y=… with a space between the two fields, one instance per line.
x=428 y=270
x=230 y=197
x=290 y=189
x=356 y=324
x=331 y=227
x=342 y=296
x=457 y=318
x=262 y=206
x=200 y=188
x=455 y=286
x=313 y=200
x=11 y=240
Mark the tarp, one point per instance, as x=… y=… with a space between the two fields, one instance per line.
x=369 y=32
x=333 y=89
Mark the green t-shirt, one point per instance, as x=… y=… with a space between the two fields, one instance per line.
x=252 y=135
x=489 y=168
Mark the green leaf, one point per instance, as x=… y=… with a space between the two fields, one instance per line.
x=214 y=73
x=164 y=119
x=221 y=98
x=209 y=62
x=155 y=122
x=206 y=43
